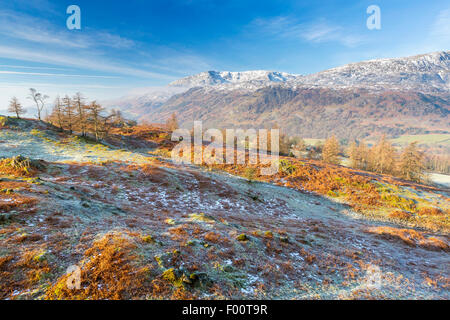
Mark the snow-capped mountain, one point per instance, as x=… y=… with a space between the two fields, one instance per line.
x=425 y=74
x=216 y=78
x=140 y=101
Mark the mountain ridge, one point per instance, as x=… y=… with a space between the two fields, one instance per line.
x=384 y=96
x=211 y=78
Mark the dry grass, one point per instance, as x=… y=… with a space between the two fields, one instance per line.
x=402 y=215
x=107 y=272
x=12 y=201
x=20 y=166
x=430 y=211
x=213 y=237
x=363 y=191
x=410 y=237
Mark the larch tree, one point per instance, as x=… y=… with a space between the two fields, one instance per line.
x=411 y=165
x=353 y=153
x=331 y=150
x=95 y=118
x=16 y=107
x=384 y=157
x=364 y=156
x=78 y=101
x=69 y=113
x=57 y=115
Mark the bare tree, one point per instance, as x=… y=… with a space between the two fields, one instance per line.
x=16 y=107
x=42 y=99
x=39 y=100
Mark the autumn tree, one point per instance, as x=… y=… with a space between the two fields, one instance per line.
x=353 y=154
x=383 y=157
x=78 y=102
x=95 y=120
x=285 y=144
x=69 y=113
x=16 y=107
x=331 y=150
x=172 y=123
x=57 y=115
x=411 y=165
x=365 y=156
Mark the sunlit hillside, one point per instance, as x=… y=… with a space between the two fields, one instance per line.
x=142 y=227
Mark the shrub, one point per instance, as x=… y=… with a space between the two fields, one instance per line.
x=402 y=215
x=242 y=237
x=250 y=173
x=286 y=167
x=3 y=121
x=212 y=237
x=430 y=211
x=20 y=166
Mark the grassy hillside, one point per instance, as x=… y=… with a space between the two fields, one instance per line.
x=141 y=227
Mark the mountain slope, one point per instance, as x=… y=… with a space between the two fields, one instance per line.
x=393 y=96
x=312 y=112
x=425 y=73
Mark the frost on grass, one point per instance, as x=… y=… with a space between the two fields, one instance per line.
x=141 y=227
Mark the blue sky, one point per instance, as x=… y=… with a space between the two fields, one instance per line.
x=130 y=44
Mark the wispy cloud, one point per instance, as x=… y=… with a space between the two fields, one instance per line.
x=319 y=31
x=22 y=85
x=37 y=40
x=89 y=63
x=31 y=67
x=54 y=74
x=28 y=28
x=441 y=26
